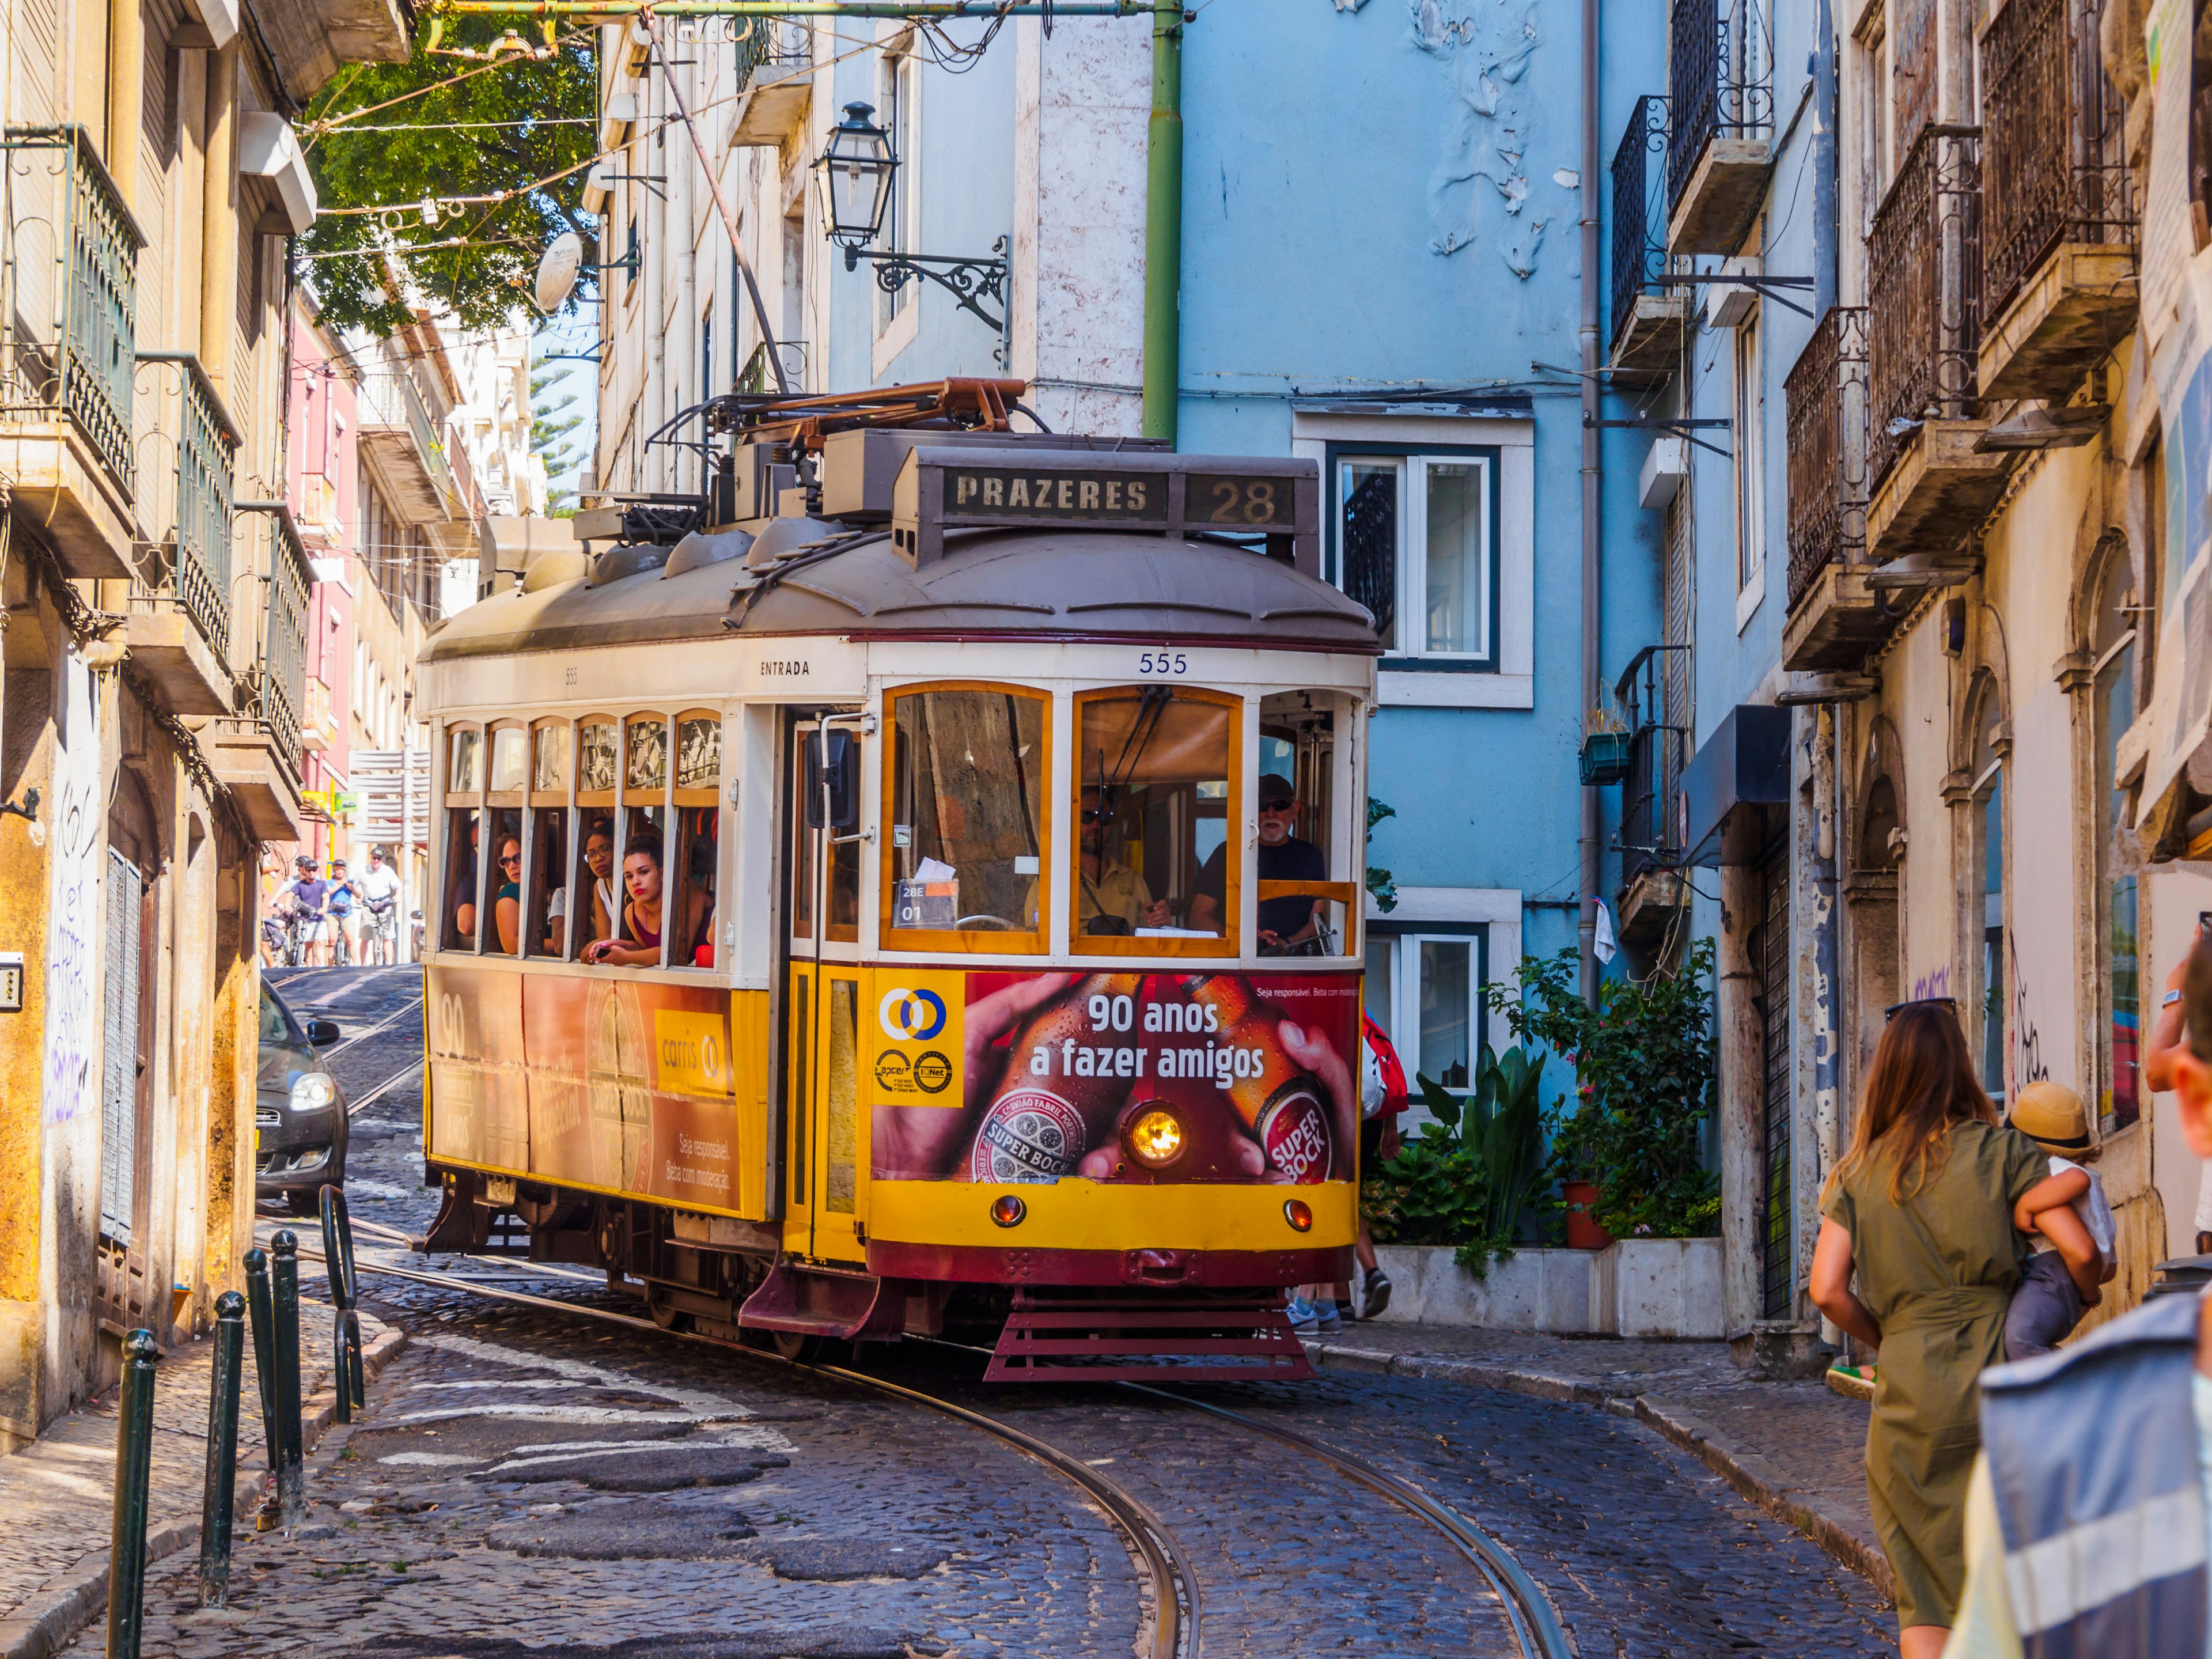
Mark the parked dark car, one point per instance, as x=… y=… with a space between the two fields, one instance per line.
x=298 y=1111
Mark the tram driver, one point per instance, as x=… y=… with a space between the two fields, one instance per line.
x=1287 y=926
x=644 y=915
x=1115 y=899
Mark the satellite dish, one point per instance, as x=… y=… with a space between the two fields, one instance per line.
x=556 y=271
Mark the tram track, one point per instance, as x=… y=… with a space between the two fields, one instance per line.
x=1172 y=1582
x=390 y=1019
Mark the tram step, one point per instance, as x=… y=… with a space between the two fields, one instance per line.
x=1147 y=1341
x=824 y=1301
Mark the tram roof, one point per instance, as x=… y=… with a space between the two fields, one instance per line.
x=1004 y=584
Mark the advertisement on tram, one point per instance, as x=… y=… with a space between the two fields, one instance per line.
x=1132 y=1076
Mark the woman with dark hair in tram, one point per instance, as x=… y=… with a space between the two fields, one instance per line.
x=507 y=902
x=638 y=943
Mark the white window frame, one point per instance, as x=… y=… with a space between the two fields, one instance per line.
x=1750 y=490
x=898 y=93
x=1504 y=678
x=1445 y=914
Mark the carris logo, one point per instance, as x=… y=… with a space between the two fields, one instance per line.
x=911 y=1015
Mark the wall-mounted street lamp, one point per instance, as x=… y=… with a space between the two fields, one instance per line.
x=855 y=172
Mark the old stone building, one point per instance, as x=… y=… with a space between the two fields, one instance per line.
x=155 y=594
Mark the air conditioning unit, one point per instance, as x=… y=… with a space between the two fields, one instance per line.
x=1665 y=470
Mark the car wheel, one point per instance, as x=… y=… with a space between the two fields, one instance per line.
x=303 y=1203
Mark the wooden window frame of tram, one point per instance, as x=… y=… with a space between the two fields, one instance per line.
x=832 y=932
x=448 y=801
x=530 y=923
x=495 y=801
x=1229 y=946
x=918 y=941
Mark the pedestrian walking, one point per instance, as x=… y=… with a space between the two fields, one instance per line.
x=2087 y=1513
x=345 y=922
x=1922 y=1208
x=379 y=889
x=1382 y=1100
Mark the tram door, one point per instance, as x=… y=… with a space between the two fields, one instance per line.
x=823 y=1127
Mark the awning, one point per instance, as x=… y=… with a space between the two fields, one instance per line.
x=1745 y=762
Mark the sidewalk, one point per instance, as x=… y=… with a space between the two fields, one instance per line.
x=58 y=1493
x=1796 y=1449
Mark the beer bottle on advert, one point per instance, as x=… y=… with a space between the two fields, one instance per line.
x=1281 y=1102
x=1037 y=1128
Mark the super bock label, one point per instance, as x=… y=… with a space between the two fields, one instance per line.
x=1028 y=1135
x=1295 y=1132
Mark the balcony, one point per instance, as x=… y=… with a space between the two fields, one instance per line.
x=177 y=625
x=2058 y=275
x=68 y=346
x=1835 y=618
x=1720 y=85
x=1654 y=688
x=1930 y=486
x=1647 y=326
x=399 y=441
x=257 y=752
x=776 y=68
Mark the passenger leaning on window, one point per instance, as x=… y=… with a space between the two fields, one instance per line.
x=643 y=916
x=1287 y=926
x=507 y=903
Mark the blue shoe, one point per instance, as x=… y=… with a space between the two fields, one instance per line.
x=1329 y=1321
x=1305 y=1317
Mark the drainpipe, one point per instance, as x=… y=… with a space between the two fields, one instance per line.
x=1164 y=224
x=1825 y=227
x=1591 y=477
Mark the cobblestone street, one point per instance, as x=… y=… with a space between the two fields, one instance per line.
x=526 y=1481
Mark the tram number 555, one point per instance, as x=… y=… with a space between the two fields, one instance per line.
x=1156 y=663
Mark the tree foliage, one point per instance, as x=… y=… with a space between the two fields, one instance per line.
x=550 y=426
x=484 y=281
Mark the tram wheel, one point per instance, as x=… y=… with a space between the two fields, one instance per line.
x=668 y=1318
x=802 y=1347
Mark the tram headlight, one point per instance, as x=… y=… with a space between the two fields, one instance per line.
x=1007 y=1210
x=313 y=1090
x=1155 y=1137
x=1299 y=1214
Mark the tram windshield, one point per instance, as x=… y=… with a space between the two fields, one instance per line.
x=967 y=794
x=1156 y=796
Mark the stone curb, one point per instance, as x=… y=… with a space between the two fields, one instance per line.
x=1753 y=1476
x=58 y=1609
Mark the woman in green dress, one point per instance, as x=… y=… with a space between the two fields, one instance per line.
x=1922 y=1207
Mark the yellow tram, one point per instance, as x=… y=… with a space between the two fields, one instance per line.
x=916 y=881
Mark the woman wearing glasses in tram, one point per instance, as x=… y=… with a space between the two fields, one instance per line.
x=644 y=915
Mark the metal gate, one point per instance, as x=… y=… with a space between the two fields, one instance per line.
x=1777 y=1231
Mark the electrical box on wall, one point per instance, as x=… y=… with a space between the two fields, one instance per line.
x=11 y=981
x=1951 y=630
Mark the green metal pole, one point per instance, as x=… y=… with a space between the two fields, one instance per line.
x=218 y=1498
x=284 y=1287
x=134 y=1463
x=1164 y=224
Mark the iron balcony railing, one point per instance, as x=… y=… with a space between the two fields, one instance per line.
x=1924 y=278
x=2053 y=142
x=192 y=569
x=1720 y=81
x=68 y=294
x=1640 y=221
x=1825 y=398
x=1651 y=828
x=282 y=676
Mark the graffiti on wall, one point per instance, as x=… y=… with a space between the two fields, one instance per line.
x=71 y=991
x=2024 y=1065
x=1935 y=984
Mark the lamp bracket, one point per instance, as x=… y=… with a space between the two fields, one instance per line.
x=965 y=278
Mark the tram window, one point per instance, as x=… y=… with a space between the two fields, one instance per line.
x=549 y=764
x=841 y=920
x=967 y=792
x=595 y=766
x=462 y=828
x=1294 y=803
x=547 y=900
x=506 y=883
x=587 y=902
x=1155 y=789
x=464 y=770
x=698 y=752
x=649 y=757
x=508 y=749
x=802 y=850
x=657 y=901
x=697 y=849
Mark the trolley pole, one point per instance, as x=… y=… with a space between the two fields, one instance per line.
x=134 y=1464
x=217 y=1500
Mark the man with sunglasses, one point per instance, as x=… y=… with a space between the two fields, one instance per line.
x=1287 y=924
x=1112 y=899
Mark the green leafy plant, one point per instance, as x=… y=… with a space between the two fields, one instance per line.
x=1380 y=885
x=1465 y=1179
x=1645 y=1074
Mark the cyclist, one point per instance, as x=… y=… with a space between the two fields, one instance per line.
x=304 y=900
x=378 y=888
x=345 y=925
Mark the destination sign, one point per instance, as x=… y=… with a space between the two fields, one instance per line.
x=988 y=492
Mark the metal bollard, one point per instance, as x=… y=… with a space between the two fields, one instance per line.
x=284 y=1298
x=259 y=1309
x=216 y=1501
x=349 y=1386
x=134 y=1459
